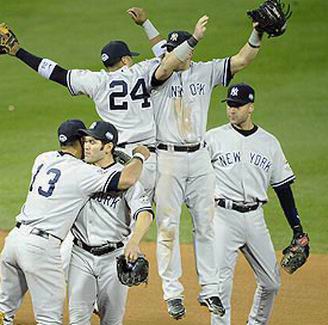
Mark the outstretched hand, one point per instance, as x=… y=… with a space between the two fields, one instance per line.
x=200 y=28
x=138 y=15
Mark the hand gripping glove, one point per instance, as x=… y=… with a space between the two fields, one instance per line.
x=8 y=41
x=296 y=254
x=271 y=17
x=132 y=273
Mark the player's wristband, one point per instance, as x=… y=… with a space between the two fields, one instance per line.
x=46 y=67
x=298 y=230
x=183 y=51
x=139 y=156
x=192 y=41
x=255 y=39
x=150 y=29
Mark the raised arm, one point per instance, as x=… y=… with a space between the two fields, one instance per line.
x=172 y=60
x=139 y=16
x=45 y=67
x=247 y=53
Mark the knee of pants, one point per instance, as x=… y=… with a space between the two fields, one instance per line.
x=167 y=232
x=272 y=286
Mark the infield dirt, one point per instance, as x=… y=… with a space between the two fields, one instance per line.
x=302 y=299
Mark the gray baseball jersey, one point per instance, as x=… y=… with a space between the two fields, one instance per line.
x=60 y=186
x=108 y=217
x=182 y=103
x=105 y=218
x=245 y=165
x=121 y=97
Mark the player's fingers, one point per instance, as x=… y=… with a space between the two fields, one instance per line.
x=132 y=14
x=203 y=19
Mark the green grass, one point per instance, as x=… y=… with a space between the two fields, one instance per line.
x=290 y=77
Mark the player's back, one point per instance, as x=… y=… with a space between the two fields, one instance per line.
x=122 y=97
x=55 y=194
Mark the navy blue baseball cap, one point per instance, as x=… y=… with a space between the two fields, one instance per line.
x=103 y=131
x=176 y=38
x=69 y=131
x=240 y=95
x=113 y=51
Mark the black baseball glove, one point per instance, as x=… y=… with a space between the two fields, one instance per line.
x=132 y=273
x=8 y=41
x=271 y=17
x=296 y=254
x=121 y=157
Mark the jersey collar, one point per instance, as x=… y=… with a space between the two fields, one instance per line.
x=246 y=133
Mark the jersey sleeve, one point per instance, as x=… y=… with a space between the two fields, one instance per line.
x=149 y=67
x=93 y=179
x=137 y=200
x=281 y=170
x=208 y=141
x=83 y=82
x=220 y=72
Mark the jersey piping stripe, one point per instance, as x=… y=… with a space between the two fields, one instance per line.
x=110 y=177
x=149 y=209
x=224 y=73
x=286 y=180
x=69 y=83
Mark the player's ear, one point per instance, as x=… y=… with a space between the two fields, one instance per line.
x=251 y=108
x=109 y=147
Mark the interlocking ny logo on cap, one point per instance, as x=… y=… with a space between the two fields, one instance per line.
x=109 y=136
x=104 y=57
x=234 y=91
x=62 y=137
x=174 y=37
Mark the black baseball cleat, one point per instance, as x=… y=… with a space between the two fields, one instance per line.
x=214 y=305
x=175 y=308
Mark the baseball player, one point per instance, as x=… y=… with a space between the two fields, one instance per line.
x=246 y=160
x=101 y=232
x=185 y=174
x=61 y=185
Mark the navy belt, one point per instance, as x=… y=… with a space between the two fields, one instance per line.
x=38 y=232
x=240 y=208
x=98 y=250
x=190 y=148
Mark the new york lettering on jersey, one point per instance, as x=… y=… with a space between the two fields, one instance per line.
x=110 y=216
x=255 y=158
x=181 y=104
x=236 y=157
x=121 y=97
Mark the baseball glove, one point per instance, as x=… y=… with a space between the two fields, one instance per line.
x=121 y=157
x=271 y=17
x=132 y=273
x=8 y=41
x=296 y=254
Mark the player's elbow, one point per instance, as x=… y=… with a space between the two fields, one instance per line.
x=126 y=181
